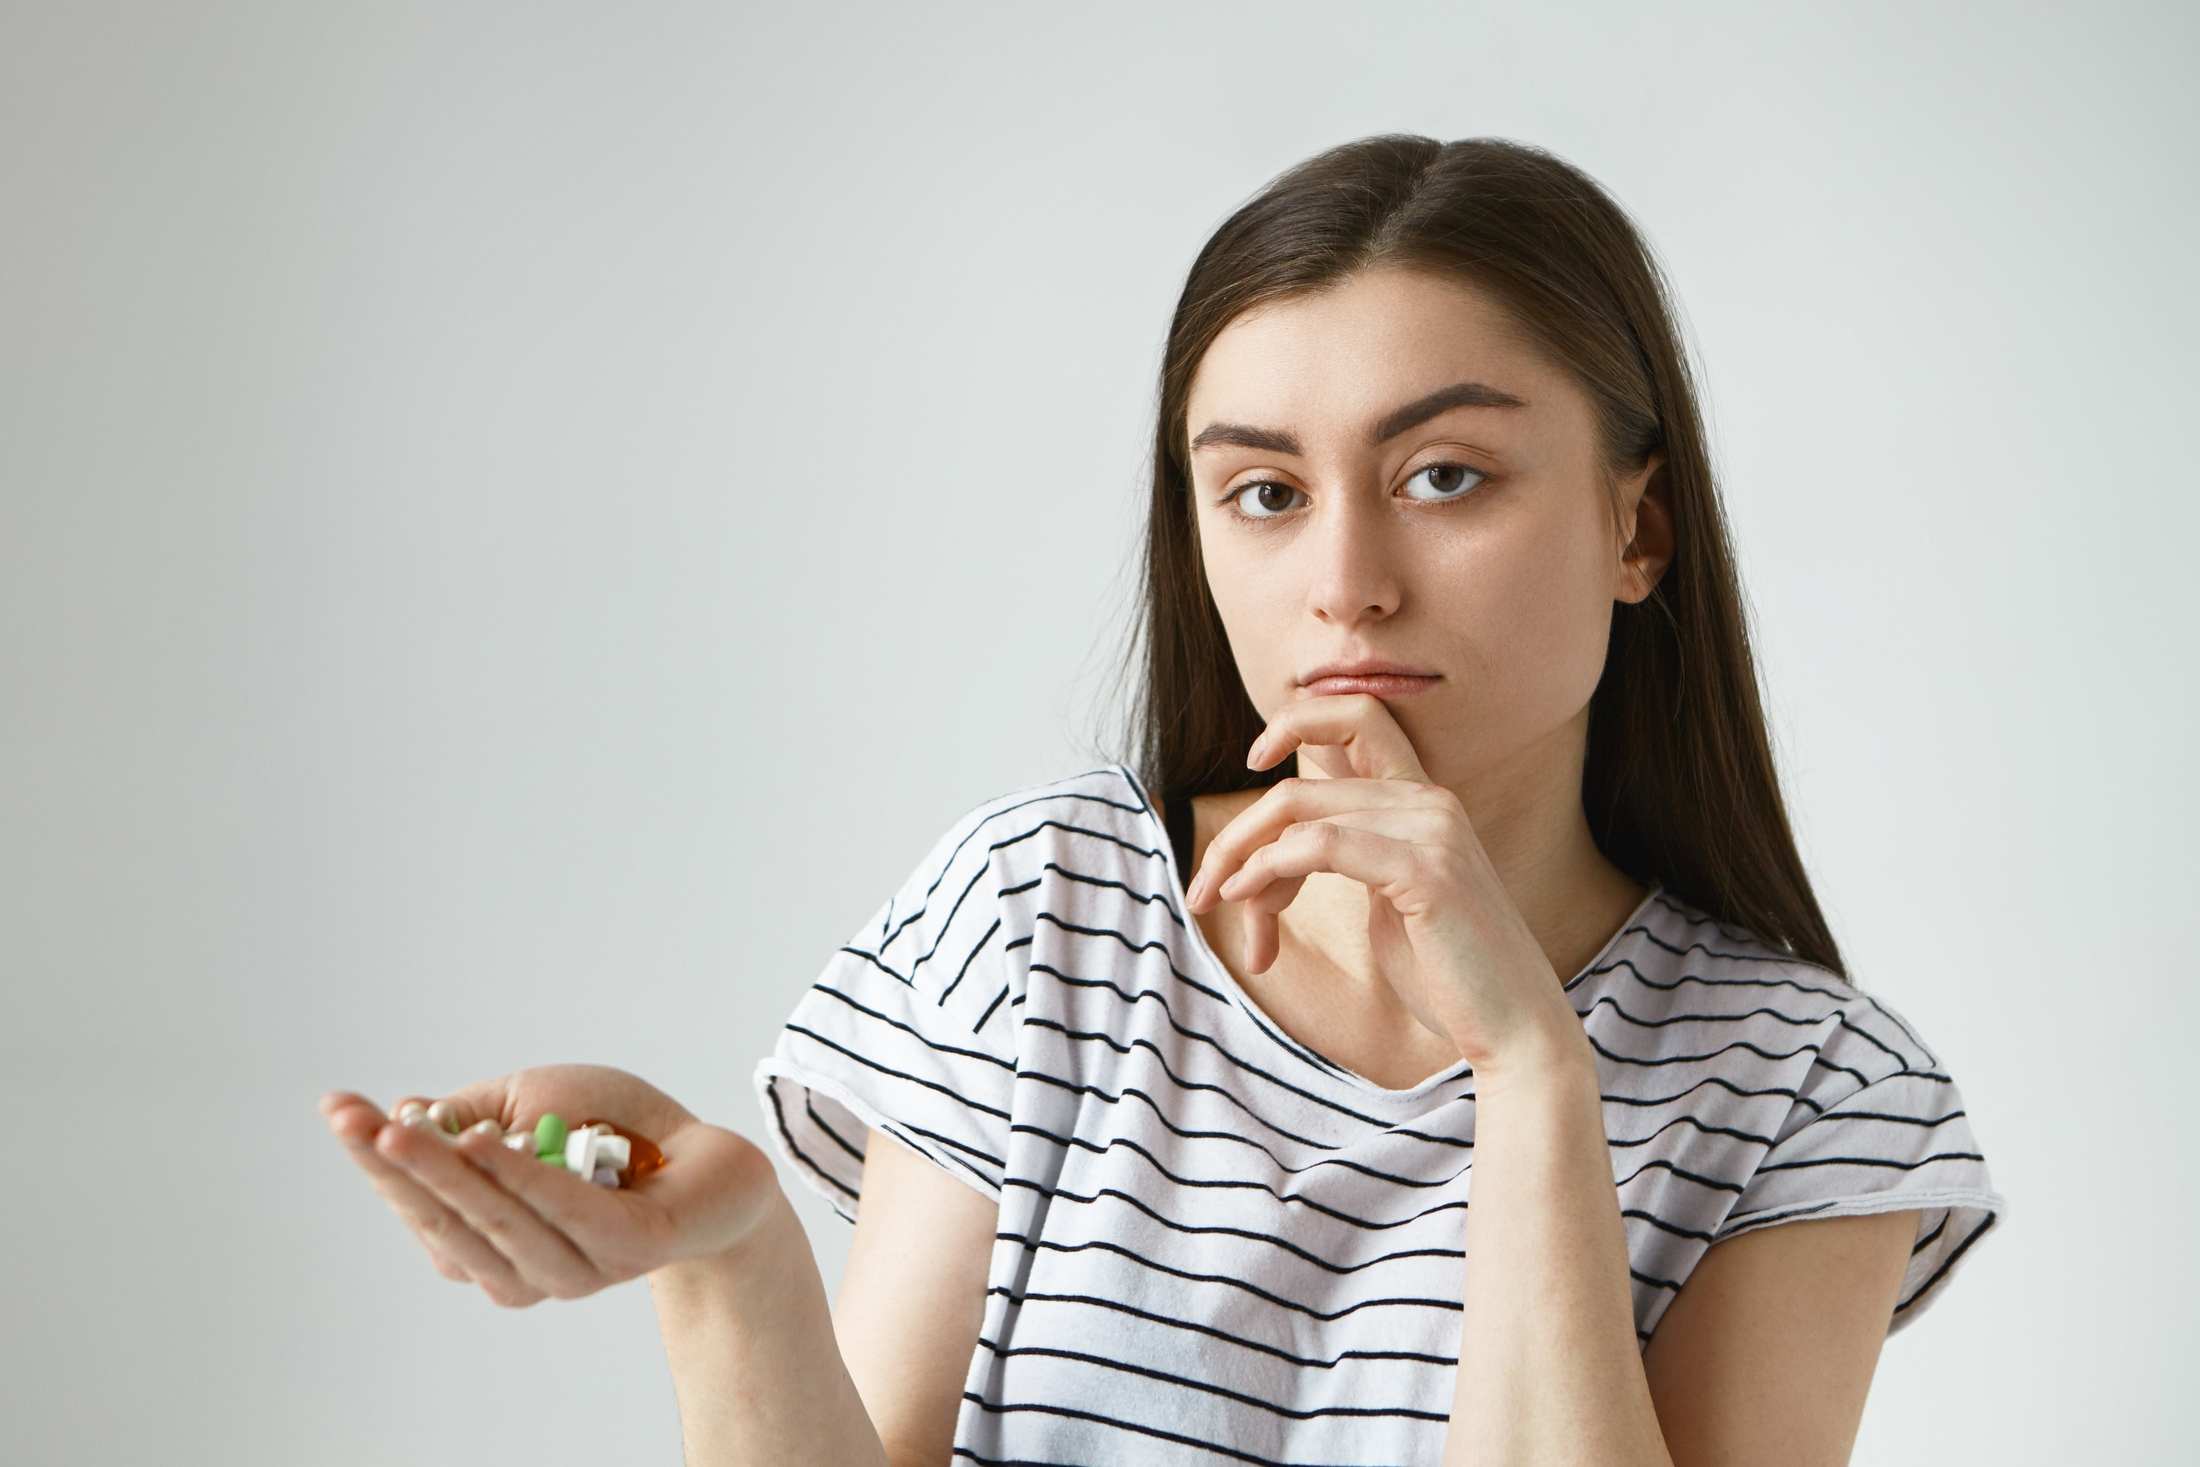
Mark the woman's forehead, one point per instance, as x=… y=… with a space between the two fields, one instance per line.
x=1344 y=360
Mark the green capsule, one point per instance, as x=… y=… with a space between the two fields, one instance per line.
x=557 y=1160
x=550 y=1135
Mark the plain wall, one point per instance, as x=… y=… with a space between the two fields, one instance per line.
x=518 y=523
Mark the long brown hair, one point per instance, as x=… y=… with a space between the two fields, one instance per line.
x=1678 y=782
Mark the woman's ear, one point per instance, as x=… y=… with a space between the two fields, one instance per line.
x=1648 y=540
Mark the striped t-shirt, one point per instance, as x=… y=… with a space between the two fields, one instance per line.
x=1215 y=1243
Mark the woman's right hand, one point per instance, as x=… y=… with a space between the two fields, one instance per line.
x=526 y=1231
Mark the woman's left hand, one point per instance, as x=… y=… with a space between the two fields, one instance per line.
x=1444 y=932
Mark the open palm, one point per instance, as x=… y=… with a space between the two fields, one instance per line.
x=526 y=1231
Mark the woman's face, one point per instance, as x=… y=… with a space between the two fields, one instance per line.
x=1473 y=542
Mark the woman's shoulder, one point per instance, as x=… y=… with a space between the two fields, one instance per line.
x=1695 y=975
x=1100 y=798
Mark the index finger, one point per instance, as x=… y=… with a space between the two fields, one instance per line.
x=1360 y=724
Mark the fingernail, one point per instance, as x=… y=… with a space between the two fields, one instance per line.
x=445 y=1114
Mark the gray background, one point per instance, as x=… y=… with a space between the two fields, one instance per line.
x=521 y=522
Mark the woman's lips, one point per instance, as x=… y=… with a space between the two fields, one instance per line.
x=1382 y=685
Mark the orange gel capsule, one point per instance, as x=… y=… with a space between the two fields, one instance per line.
x=642 y=1155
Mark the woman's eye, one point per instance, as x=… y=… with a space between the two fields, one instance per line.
x=1254 y=490
x=1450 y=482
x=1450 y=469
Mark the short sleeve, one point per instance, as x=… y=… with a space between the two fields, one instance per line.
x=1877 y=1126
x=910 y=1028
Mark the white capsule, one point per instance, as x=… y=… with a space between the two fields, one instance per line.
x=580 y=1151
x=614 y=1151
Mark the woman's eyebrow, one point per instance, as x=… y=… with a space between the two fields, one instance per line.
x=1385 y=428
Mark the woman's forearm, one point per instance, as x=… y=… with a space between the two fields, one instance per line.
x=1550 y=1370
x=756 y=1367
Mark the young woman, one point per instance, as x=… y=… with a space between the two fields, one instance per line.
x=1408 y=1056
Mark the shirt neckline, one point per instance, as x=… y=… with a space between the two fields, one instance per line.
x=1220 y=971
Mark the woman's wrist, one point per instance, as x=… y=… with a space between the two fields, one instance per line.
x=762 y=1249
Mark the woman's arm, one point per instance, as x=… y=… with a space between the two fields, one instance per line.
x=755 y=1365
x=1549 y=1367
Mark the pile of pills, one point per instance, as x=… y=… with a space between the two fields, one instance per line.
x=595 y=1150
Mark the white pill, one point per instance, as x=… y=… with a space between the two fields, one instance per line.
x=606 y=1176
x=580 y=1151
x=615 y=1151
